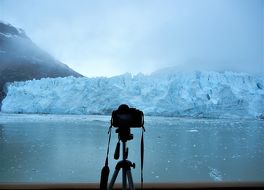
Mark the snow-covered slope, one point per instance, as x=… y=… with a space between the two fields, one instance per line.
x=194 y=94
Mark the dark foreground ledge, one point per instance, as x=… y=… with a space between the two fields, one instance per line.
x=156 y=186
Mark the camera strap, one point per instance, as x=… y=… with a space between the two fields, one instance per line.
x=142 y=154
x=105 y=170
x=109 y=139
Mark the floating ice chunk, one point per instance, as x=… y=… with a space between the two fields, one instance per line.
x=235 y=156
x=192 y=130
x=215 y=174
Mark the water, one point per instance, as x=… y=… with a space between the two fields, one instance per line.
x=59 y=148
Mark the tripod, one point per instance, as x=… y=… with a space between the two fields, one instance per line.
x=124 y=164
x=124 y=135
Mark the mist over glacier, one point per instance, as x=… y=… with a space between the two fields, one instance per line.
x=163 y=93
x=108 y=38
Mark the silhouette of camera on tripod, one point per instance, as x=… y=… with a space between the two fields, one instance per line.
x=123 y=119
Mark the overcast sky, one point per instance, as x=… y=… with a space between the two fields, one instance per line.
x=106 y=38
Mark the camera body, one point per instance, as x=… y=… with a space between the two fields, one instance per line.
x=125 y=117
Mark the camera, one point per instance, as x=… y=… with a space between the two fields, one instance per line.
x=127 y=117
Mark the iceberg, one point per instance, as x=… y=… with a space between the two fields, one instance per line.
x=203 y=94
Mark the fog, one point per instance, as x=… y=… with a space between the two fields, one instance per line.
x=106 y=38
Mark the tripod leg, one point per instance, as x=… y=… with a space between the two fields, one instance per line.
x=112 y=182
x=124 y=180
x=130 y=180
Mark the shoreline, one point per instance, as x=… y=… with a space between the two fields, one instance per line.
x=36 y=117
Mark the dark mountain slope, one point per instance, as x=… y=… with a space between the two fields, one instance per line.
x=21 y=59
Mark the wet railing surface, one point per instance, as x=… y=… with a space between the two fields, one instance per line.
x=200 y=185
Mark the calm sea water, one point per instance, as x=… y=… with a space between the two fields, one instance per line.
x=59 y=148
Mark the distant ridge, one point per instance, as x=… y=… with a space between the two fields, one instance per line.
x=21 y=59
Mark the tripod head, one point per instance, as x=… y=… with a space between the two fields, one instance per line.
x=124 y=134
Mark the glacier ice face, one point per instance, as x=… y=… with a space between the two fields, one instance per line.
x=188 y=94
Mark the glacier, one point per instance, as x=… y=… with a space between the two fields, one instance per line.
x=203 y=94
